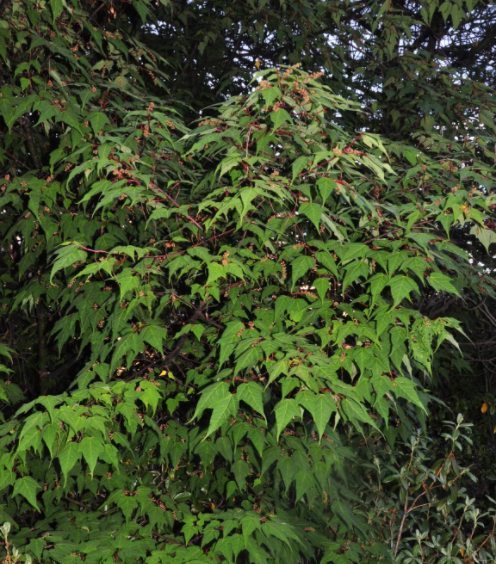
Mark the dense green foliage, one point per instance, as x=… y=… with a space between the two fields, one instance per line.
x=224 y=325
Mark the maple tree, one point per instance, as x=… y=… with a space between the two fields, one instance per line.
x=223 y=289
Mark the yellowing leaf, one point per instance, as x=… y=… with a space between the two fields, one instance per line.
x=484 y=407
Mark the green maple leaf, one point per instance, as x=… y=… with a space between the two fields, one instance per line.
x=221 y=411
x=68 y=456
x=313 y=212
x=441 y=282
x=401 y=287
x=27 y=487
x=405 y=388
x=91 y=448
x=210 y=397
x=285 y=411
x=252 y=394
x=300 y=266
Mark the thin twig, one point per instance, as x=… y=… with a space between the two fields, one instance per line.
x=402 y=524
